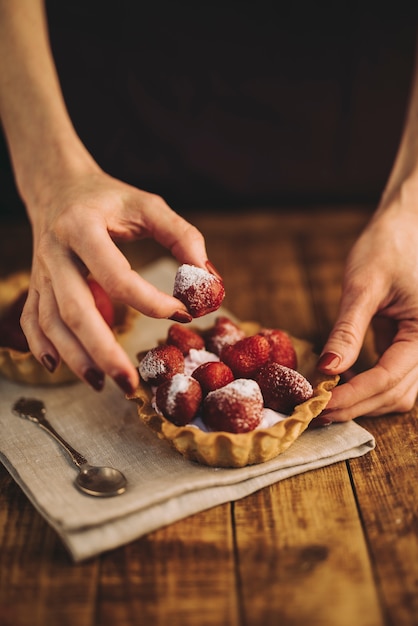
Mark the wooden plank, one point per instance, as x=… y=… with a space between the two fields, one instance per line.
x=302 y=554
x=386 y=486
x=181 y=575
x=39 y=585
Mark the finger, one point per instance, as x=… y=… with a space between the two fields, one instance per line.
x=184 y=240
x=43 y=347
x=79 y=332
x=390 y=386
x=40 y=346
x=113 y=271
x=54 y=332
x=346 y=338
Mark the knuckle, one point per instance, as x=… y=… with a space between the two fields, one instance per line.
x=405 y=404
x=157 y=202
x=347 y=331
x=47 y=322
x=118 y=287
x=402 y=402
x=70 y=313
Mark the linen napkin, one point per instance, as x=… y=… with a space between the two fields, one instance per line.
x=163 y=487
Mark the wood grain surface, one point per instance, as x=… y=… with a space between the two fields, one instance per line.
x=336 y=546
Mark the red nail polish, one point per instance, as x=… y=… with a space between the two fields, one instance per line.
x=49 y=362
x=328 y=361
x=212 y=270
x=182 y=317
x=320 y=422
x=124 y=383
x=95 y=379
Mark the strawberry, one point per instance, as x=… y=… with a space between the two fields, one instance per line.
x=213 y=375
x=179 y=399
x=102 y=301
x=235 y=408
x=281 y=347
x=282 y=387
x=246 y=356
x=200 y=291
x=161 y=363
x=223 y=333
x=11 y=333
x=184 y=338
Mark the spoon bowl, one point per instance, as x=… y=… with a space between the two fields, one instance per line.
x=100 y=480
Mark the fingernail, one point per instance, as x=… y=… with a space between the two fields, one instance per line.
x=212 y=269
x=320 y=422
x=183 y=317
x=124 y=383
x=328 y=361
x=49 y=362
x=95 y=379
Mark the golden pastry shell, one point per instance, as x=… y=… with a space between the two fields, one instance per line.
x=22 y=367
x=223 y=449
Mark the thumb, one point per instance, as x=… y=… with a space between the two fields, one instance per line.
x=346 y=338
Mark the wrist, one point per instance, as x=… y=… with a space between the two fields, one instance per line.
x=39 y=167
x=401 y=195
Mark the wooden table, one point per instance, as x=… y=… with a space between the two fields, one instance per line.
x=336 y=546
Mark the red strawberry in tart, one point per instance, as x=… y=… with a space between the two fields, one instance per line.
x=213 y=375
x=179 y=399
x=184 y=338
x=223 y=333
x=235 y=408
x=200 y=291
x=246 y=356
x=281 y=347
x=282 y=387
x=161 y=363
x=11 y=333
x=102 y=301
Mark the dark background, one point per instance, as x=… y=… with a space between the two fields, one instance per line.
x=235 y=104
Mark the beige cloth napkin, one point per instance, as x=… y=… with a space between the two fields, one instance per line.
x=163 y=487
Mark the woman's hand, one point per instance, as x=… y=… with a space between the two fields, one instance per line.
x=76 y=221
x=380 y=287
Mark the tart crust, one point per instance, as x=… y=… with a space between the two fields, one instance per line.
x=223 y=449
x=22 y=367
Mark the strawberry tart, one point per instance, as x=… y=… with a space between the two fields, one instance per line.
x=230 y=395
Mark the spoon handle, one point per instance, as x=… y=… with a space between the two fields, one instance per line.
x=35 y=412
x=77 y=458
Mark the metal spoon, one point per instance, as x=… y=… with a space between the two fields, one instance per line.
x=95 y=481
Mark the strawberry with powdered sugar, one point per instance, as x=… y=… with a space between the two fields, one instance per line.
x=235 y=408
x=282 y=387
x=200 y=291
x=161 y=363
x=223 y=333
x=179 y=399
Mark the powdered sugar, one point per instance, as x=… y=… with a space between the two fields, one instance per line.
x=180 y=383
x=160 y=363
x=240 y=388
x=188 y=275
x=196 y=358
x=151 y=366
